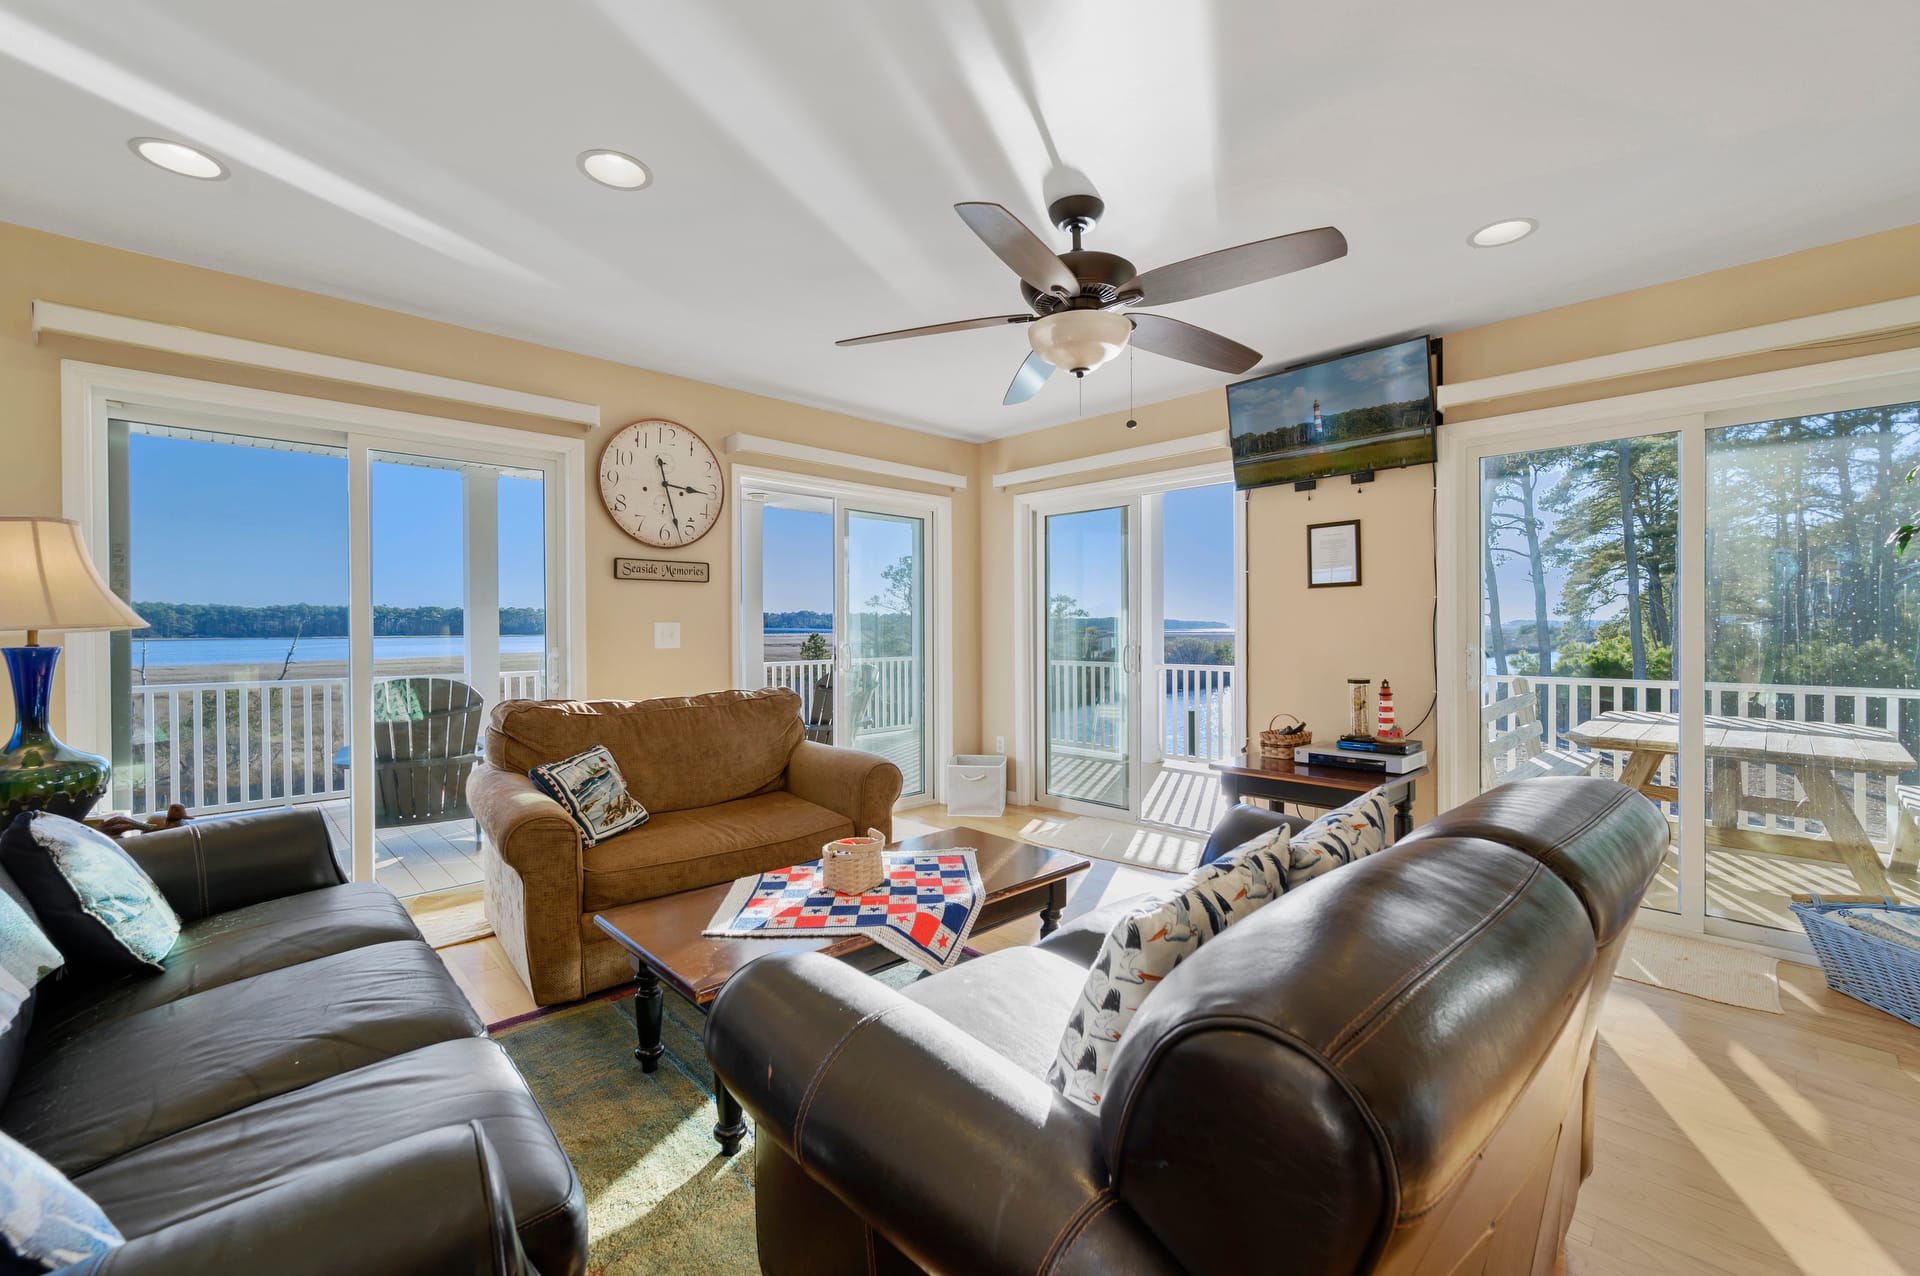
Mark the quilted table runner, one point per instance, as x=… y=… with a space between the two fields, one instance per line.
x=924 y=911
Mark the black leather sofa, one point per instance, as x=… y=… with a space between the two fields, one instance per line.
x=1388 y=1069
x=303 y=1089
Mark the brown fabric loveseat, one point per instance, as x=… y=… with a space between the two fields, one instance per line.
x=732 y=785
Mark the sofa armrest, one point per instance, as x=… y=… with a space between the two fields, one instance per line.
x=861 y=786
x=962 y=1160
x=531 y=831
x=434 y=1204
x=1242 y=824
x=217 y=864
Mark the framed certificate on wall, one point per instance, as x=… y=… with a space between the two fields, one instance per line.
x=1333 y=554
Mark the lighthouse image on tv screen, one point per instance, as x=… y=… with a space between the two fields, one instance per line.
x=1367 y=411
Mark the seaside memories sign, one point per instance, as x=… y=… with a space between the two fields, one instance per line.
x=660 y=569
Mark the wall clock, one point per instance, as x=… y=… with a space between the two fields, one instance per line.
x=661 y=483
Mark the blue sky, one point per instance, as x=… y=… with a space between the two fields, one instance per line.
x=218 y=523
x=1198 y=545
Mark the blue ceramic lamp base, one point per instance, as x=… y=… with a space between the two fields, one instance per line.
x=37 y=771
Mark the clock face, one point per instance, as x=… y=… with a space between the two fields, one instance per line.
x=661 y=483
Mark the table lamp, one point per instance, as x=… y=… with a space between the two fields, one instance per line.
x=48 y=582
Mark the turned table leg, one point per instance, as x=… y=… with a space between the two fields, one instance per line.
x=731 y=1127
x=647 y=1008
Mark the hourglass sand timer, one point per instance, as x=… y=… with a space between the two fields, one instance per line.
x=1360 y=709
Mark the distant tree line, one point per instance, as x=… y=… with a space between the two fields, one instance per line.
x=796 y=620
x=316 y=620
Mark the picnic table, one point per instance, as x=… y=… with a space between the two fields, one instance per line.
x=1815 y=752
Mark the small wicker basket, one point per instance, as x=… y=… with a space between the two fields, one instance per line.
x=852 y=865
x=1281 y=743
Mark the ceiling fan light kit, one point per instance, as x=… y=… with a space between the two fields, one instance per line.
x=1079 y=340
x=1079 y=300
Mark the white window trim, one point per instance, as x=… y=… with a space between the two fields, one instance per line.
x=1028 y=509
x=1688 y=411
x=90 y=393
x=748 y=665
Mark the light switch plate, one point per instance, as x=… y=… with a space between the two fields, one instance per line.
x=666 y=633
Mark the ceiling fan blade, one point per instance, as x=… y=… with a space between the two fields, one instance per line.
x=1245 y=264
x=1158 y=334
x=1027 y=382
x=1019 y=247
x=958 y=325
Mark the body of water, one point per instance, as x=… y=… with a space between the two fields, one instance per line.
x=272 y=651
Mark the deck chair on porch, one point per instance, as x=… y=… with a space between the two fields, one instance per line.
x=426 y=734
x=1514 y=745
x=819 y=716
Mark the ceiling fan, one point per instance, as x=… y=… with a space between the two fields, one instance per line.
x=1080 y=298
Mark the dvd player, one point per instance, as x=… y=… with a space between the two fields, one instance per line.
x=1384 y=763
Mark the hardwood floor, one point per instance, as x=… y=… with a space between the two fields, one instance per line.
x=1727 y=1141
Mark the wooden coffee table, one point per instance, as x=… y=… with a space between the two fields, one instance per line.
x=663 y=940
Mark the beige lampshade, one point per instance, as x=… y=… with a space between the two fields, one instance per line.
x=48 y=582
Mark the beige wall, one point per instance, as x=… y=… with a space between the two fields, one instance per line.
x=621 y=660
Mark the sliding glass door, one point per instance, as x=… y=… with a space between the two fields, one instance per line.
x=331 y=618
x=838 y=602
x=1090 y=656
x=1712 y=613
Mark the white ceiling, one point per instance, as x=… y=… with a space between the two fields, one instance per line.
x=421 y=156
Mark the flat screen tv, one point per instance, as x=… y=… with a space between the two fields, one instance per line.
x=1370 y=410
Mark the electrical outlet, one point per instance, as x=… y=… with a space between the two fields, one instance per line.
x=666 y=633
x=999 y=744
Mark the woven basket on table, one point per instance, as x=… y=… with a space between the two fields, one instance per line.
x=1865 y=967
x=1277 y=744
x=852 y=865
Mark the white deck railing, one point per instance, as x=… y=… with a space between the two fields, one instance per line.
x=1085 y=708
x=227 y=746
x=1567 y=702
x=892 y=685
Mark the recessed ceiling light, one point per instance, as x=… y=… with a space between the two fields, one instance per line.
x=178 y=157
x=1506 y=232
x=616 y=169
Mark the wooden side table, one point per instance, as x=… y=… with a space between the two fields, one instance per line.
x=1322 y=787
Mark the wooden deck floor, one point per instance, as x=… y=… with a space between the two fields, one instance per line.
x=416 y=860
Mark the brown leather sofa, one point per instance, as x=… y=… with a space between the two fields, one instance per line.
x=1387 y=1070
x=302 y=1089
x=732 y=785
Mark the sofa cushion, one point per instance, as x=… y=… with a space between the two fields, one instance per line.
x=279 y=1138
x=100 y=1093
x=1341 y=836
x=45 y=1221
x=96 y=904
x=13 y=1038
x=231 y=946
x=680 y=850
x=590 y=789
x=1145 y=946
x=26 y=957
x=1014 y=1001
x=676 y=753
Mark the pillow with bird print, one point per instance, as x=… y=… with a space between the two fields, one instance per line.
x=1144 y=947
x=1342 y=836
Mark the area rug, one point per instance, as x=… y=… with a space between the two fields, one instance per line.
x=1132 y=844
x=1701 y=968
x=451 y=917
x=660 y=1197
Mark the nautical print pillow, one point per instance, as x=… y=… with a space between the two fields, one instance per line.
x=1143 y=948
x=588 y=786
x=45 y=1221
x=97 y=905
x=1340 y=837
x=26 y=957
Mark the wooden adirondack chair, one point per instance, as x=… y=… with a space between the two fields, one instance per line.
x=1518 y=749
x=426 y=735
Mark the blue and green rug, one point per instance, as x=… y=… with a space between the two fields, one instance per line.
x=660 y=1197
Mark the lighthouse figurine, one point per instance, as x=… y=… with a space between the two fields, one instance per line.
x=1387 y=731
